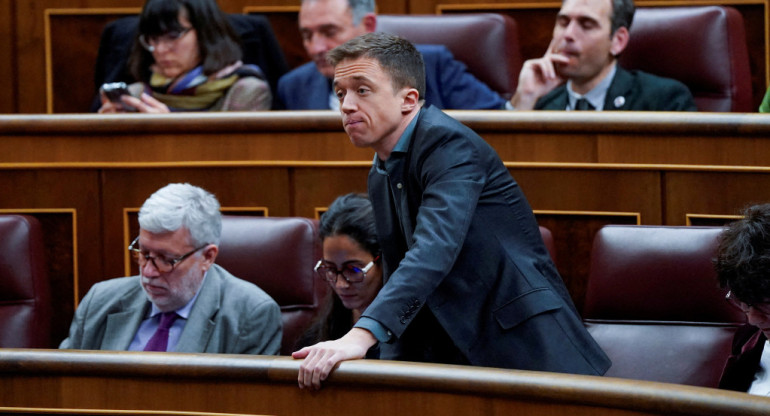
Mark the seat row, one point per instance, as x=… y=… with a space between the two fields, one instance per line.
x=661 y=43
x=652 y=301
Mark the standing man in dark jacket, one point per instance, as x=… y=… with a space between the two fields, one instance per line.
x=468 y=278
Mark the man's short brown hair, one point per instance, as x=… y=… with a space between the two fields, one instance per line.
x=397 y=56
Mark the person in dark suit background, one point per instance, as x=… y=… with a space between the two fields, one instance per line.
x=468 y=279
x=208 y=309
x=579 y=71
x=326 y=24
x=743 y=267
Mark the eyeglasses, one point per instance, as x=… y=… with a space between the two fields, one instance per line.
x=350 y=273
x=763 y=307
x=150 y=43
x=161 y=263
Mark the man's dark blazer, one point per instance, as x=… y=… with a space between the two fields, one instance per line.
x=260 y=47
x=448 y=85
x=632 y=91
x=743 y=362
x=467 y=247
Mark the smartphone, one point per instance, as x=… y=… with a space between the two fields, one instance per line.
x=114 y=90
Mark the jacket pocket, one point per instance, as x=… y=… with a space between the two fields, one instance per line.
x=518 y=310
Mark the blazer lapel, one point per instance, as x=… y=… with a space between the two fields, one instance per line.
x=121 y=327
x=200 y=325
x=617 y=97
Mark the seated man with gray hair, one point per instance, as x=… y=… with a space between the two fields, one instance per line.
x=181 y=301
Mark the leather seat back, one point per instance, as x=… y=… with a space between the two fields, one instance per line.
x=654 y=305
x=25 y=298
x=278 y=255
x=704 y=47
x=487 y=43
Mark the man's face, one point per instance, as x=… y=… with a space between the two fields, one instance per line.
x=582 y=34
x=757 y=314
x=324 y=25
x=172 y=290
x=372 y=112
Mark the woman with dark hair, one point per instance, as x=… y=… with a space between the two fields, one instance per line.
x=351 y=266
x=743 y=267
x=188 y=58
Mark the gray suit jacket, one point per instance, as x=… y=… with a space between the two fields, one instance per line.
x=230 y=316
x=458 y=237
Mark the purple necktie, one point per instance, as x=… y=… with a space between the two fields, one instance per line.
x=159 y=340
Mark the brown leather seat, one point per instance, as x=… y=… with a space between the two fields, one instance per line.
x=704 y=47
x=278 y=255
x=487 y=43
x=25 y=298
x=654 y=305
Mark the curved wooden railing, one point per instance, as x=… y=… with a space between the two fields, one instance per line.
x=104 y=381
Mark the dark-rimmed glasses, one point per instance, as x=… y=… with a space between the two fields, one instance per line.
x=350 y=273
x=763 y=307
x=162 y=264
x=169 y=38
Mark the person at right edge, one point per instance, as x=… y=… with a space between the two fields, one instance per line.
x=468 y=279
x=742 y=264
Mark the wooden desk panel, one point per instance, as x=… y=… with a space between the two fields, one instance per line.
x=579 y=171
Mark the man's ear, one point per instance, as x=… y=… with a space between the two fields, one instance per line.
x=619 y=41
x=209 y=255
x=411 y=99
x=369 y=22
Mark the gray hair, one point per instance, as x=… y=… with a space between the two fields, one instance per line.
x=359 y=9
x=180 y=205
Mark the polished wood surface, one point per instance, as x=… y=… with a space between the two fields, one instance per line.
x=79 y=173
x=725 y=141
x=268 y=385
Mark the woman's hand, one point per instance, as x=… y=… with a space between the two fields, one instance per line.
x=320 y=359
x=147 y=104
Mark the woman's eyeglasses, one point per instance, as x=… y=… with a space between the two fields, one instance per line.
x=351 y=274
x=151 y=42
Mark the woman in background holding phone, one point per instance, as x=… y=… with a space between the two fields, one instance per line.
x=189 y=59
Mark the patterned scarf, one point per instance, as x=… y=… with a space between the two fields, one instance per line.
x=194 y=90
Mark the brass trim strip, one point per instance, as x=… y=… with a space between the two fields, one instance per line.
x=637 y=215
x=689 y=217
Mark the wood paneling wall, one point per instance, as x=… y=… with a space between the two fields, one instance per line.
x=65 y=54
x=79 y=173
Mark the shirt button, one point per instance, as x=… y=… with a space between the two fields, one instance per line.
x=399 y=185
